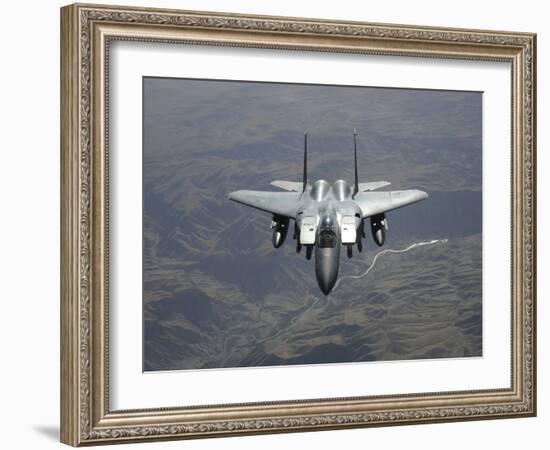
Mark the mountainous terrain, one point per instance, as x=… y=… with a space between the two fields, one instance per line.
x=215 y=291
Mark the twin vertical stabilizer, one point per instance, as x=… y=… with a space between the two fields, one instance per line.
x=296 y=186
x=304 y=177
x=356 y=182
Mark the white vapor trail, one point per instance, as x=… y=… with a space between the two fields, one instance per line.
x=389 y=250
x=296 y=318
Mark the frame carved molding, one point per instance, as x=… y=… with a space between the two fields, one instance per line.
x=86 y=31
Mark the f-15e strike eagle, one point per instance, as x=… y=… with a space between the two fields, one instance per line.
x=326 y=215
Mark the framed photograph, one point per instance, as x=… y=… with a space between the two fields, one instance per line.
x=275 y=224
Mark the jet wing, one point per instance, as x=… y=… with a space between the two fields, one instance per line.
x=281 y=203
x=371 y=186
x=372 y=203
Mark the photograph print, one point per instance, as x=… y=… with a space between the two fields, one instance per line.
x=294 y=224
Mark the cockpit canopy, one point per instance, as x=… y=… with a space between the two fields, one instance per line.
x=327 y=231
x=328 y=222
x=327 y=239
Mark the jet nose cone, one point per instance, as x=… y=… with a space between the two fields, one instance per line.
x=326 y=285
x=326 y=268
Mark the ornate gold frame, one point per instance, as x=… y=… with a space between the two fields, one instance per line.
x=86 y=31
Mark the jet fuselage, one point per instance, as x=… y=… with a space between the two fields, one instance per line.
x=327 y=217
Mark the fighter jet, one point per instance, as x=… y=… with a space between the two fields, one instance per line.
x=327 y=216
